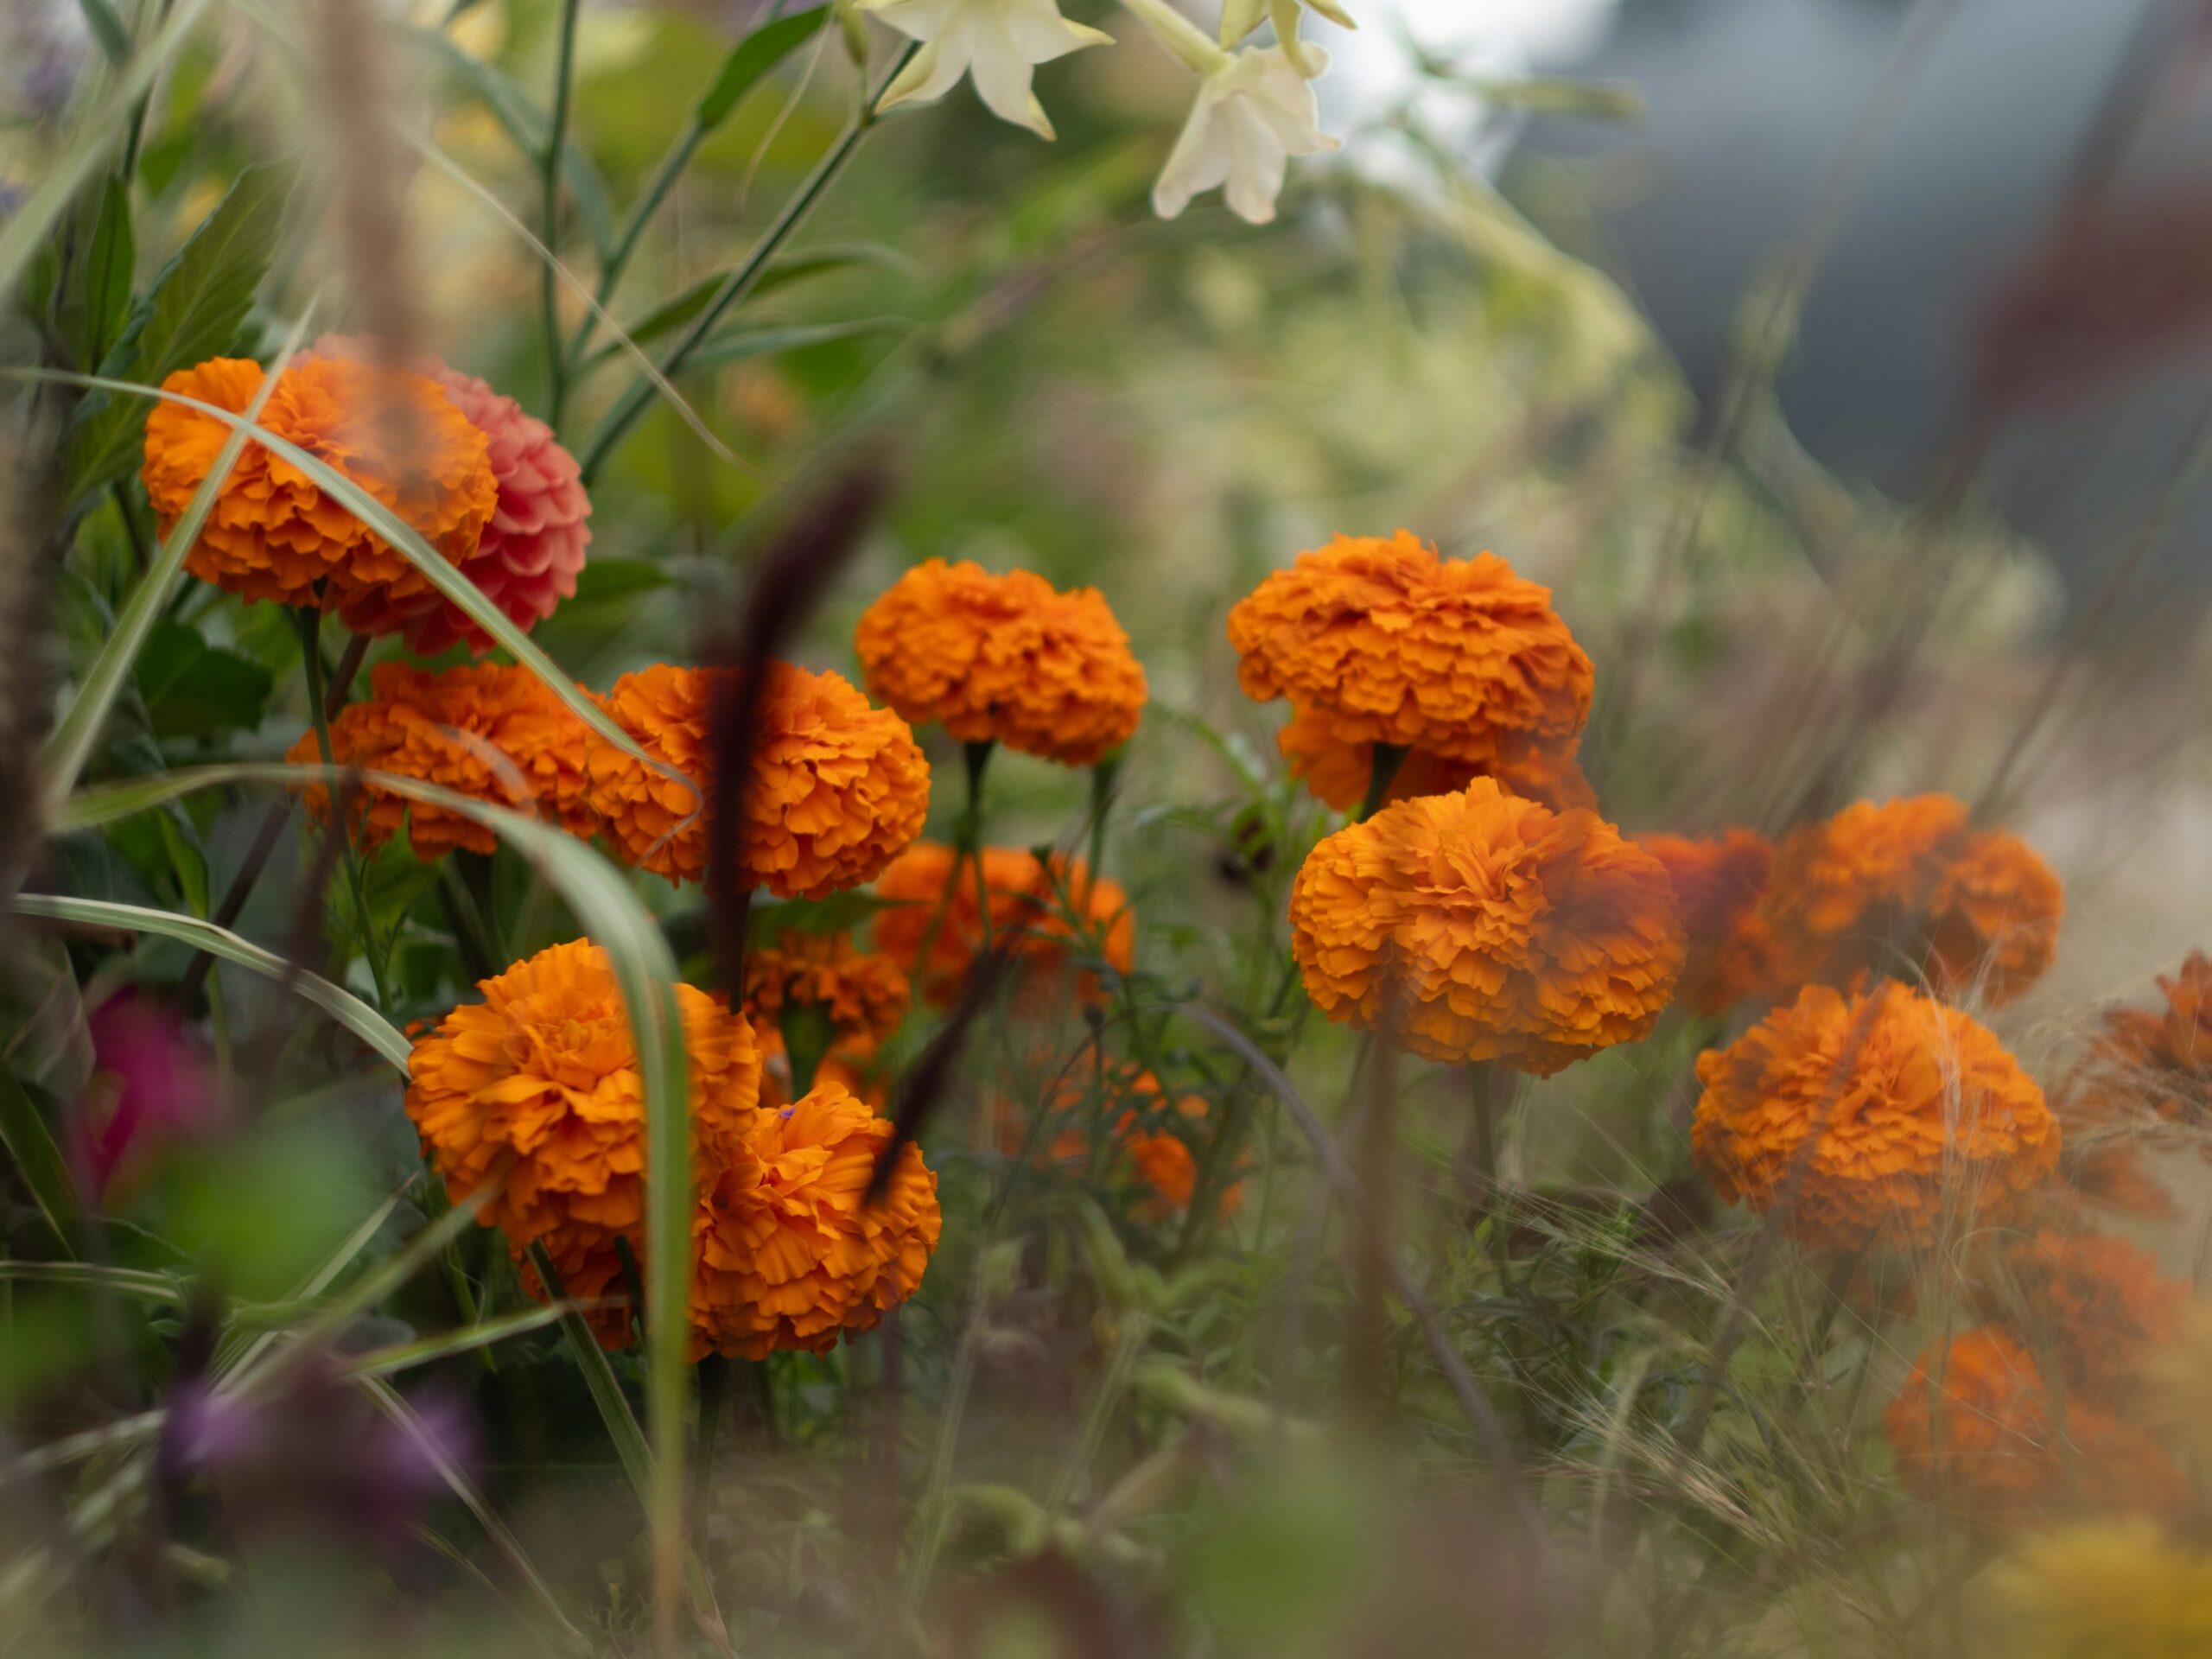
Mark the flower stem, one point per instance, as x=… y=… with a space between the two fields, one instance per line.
x=309 y=620
x=1389 y=757
x=1179 y=34
x=548 y=179
x=969 y=836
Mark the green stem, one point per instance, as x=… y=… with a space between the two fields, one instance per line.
x=1389 y=757
x=309 y=621
x=739 y=283
x=548 y=179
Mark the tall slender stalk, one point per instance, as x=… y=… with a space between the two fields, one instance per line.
x=548 y=181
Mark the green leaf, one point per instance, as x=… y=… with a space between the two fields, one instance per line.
x=193 y=689
x=38 y=1160
x=830 y=258
x=198 y=303
x=735 y=345
x=340 y=1004
x=839 y=913
x=751 y=59
x=107 y=28
x=91 y=315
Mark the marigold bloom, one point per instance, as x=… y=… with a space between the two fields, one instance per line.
x=539 y=1084
x=788 y=1253
x=1007 y=660
x=495 y=733
x=1338 y=773
x=535 y=547
x=1392 y=645
x=2161 y=1060
x=1718 y=882
x=1992 y=918
x=1032 y=903
x=273 y=534
x=1912 y=1109
x=2096 y=1305
x=837 y=788
x=1502 y=930
x=864 y=994
x=2117 y=1589
x=1976 y=1429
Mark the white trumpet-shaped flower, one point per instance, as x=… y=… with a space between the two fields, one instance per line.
x=1240 y=17
x=1254 y=112
x=998 y=42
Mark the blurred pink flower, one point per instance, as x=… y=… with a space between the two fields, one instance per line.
x=151 y=1086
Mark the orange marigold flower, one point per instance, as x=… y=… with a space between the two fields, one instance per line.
x=273 y=533
x=1338 y=773
x=492 y=732
x=838 y=787
x=1032 y=905
x=1501 y=929
x=2161 y=1060
x=1144 y=1134
x=1007 y=660
x=1992 y=918
x=1718 y=882
x=788 y=1253
x=864 y=994
x=539 y=1084
x=1976 y=1429
x=1913 y=1109
x=1392 y=645
x=2099 y=1302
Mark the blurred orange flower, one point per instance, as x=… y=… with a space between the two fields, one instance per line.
x=1992 y=919
x=1718 y=882
x=2161 y=1060
x=537 y=1087
x=1506 y=931
x=838 y=786
x=492 y=732
x=1872 y=1115
x=273 y=533
x=864 y=994
x=788 y=1253
x=1976 y=1428
x=1389 y=644
x=1338 y=773
x=1132 y=1101
x=2097 y=1306
x=1032 y=905
x=1003 y=659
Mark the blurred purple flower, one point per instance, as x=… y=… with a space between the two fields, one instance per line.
x=151 y=1086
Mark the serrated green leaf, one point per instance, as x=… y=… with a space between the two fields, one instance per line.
x=753 y=57
x=195 y=308
x=193 y=689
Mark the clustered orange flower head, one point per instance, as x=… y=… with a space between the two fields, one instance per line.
x=1482 y=926
x=1992 y=919
x=1717 y=883
x=1338 y=773
x=495 y=733
x=863 y=992
x=1392 y=645
x=2161 y=1060
x=1033 y=901
x=2097 y=1304
x=273 y=534
x=787 y=1253
x=838 y=787
x=1914 y=1111
x=1007 y=660
x=1976 y=1429
x=537 y=1088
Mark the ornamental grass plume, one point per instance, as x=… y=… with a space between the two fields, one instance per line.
x=1850 y=892
x=1876 y=1116
x=838 y=787
x=2116 y=1589
x=492 y=732
x=1976 y=1430
x=537 y=1088
x=1338 y=774
x=1387 y=643
x=2097 y=1306
x=1003 y=659
x=1717 y=883
x=1482 y=926
x=1041 y=911
x=789 y=1253
x=273 y=534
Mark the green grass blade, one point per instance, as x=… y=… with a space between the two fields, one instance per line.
x=77 y=732
x=406 y=1356
x=339 y=1004
x=87 y=1276
x=38 y=1160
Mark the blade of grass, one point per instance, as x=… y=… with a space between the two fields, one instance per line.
x=406 y=1356
x=38 y=1160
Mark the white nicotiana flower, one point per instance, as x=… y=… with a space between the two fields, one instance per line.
x=1254 y=112
x=1240 y=17
x=998 y=42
